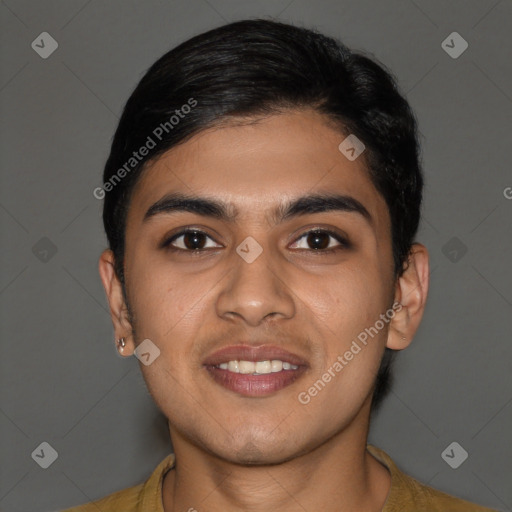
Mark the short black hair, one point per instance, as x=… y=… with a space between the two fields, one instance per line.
x=261 y=67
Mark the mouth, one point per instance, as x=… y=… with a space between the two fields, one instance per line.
x=255 y=371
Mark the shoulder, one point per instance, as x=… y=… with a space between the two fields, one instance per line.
x=142 y=497
x=425 y=498
x=407 y=493
x=126 y=500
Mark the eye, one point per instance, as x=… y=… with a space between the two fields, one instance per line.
x=195 y=240
x=190 y=240
x=320 y=240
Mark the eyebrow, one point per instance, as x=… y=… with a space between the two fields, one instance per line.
x=315 y=203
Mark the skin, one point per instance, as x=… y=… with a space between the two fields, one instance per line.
x=243 y=453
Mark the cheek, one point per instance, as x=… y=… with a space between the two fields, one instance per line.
x=161 y=298
x=346 y=300
x=170 y=310
x=344 y=310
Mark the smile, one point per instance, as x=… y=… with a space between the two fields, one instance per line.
x=258 y=367
x=255 y=371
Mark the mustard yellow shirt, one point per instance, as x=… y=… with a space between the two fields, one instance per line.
x=405 y=495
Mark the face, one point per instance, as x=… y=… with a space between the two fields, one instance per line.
x=301 y=287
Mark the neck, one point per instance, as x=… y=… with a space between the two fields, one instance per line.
x=339 y=475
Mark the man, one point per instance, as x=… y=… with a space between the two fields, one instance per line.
x=262 y=196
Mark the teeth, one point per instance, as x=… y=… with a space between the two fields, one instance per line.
x=233 y=366
x=276 y=365
x=246 y=366
x=257 y=368
x=263 y=367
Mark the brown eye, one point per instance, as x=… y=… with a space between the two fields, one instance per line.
x=321 y=240
x=189 y=240
x=317 y=240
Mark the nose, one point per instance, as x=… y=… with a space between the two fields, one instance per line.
x=257 y=290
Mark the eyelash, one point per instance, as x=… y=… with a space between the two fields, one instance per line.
x=344 y=244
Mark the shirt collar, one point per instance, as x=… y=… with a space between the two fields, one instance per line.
x=151 y=492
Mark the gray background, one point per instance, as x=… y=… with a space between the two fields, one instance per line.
x=61 y=380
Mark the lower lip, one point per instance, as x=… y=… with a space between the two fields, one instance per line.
x=255 y=385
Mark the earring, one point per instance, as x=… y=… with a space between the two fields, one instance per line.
x=121 y=343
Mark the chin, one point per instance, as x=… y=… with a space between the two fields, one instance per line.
x=251 y=455
x=258 y=451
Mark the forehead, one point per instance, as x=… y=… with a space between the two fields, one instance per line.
x=256 y=166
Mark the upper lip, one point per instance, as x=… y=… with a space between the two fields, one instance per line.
x=244 y=352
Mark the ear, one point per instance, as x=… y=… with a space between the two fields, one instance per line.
x=118 y=308
x=411 y=292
